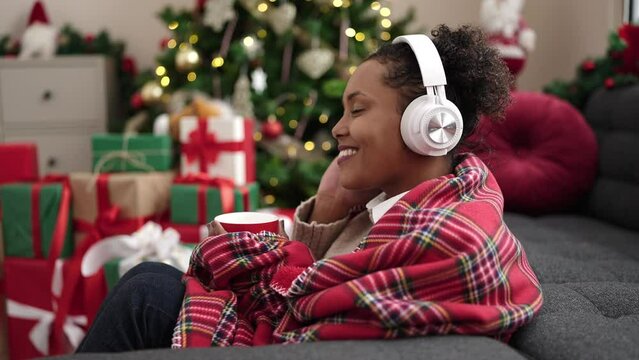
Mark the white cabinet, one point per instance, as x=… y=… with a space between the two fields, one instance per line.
x=57 y=103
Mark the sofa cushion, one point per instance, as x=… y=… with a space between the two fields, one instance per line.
x=613 y=115
x=435 y=347
x=543 y=154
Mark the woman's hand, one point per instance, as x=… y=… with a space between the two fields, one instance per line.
x=334 y=201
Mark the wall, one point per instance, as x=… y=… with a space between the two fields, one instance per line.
x=568 y=30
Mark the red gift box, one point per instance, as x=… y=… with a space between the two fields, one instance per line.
x=35 y=329
x=19 y=162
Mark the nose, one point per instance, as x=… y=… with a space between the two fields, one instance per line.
x=340 y=129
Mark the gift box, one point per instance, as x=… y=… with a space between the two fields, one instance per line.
x=31 y=213
x=198 y=203
x=219 y=147
x=19 y=163
x=129 y=153
x=35 y=329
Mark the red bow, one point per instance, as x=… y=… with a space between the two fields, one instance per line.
x=205 y=147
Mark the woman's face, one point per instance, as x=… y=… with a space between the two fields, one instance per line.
x=372 y=154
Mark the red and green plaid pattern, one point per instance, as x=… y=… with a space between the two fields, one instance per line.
x=440 y=261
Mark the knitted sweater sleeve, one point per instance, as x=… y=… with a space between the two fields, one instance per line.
x=318 y=237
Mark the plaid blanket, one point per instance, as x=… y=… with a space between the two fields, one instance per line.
x=440 y=261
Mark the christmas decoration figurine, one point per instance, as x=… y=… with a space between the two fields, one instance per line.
x=40 y=38
x=508 y=32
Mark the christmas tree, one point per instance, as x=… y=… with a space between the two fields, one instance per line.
x=618 y=67
x=284 y=64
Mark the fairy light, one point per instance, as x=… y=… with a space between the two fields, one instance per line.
x=385 y=35
x=269 y=199
x=217 y=62
x=173 y=25
x=273 y=181
x=257 y=136
x=171 y=44
x=160 y=70
x=352 y=69
x=350 y=32
x=193 y=39
x=309 y=146
x=261 y=33
x=165 y=81
x=184 y=46
x=262 y=7
x=386 y=23
x=385 y=11
x=248 y=41
x=360 y=36
x=375 y=5
x=308 y=101
x=323 y=119
x=291 y=151
x=338 y=3
x=191 y=76
x=292 y=124
x=347 y=4
x=280 y=111
x=326 y=146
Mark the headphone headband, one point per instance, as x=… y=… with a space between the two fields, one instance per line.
x=430 y=64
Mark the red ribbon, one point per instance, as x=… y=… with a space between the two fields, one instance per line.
x=245 y=197
x=205 y=147
x=204 y=182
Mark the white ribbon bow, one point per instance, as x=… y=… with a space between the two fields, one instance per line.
x=149 y=243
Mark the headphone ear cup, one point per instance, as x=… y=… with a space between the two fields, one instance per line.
x=431 y=126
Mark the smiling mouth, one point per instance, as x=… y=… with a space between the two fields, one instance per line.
x=345 y=154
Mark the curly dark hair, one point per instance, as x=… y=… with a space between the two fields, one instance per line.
x=478 y=80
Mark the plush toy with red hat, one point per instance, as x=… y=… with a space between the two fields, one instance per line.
x=508 y=32
x=40 y=38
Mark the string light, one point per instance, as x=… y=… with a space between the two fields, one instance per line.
x=386 y=23
x=323 y=119
x=360 y=36
x=248 y=41
x=326 y=145
x=160 y=70
x=171 y=44
x=269 y=199
x=184 y=46
x=280 y=111
x=347 y=4
x=308 y=101
x=165 y=81
x=174 y=25
x=309 y=146
x=292 y=124
x=352 y=69
x=385 y=35
x=338 y=3
x=350 y=32
x=217 y=62
x=291 y=151
x=262 y=7
x=385 y=11
x=375 y=5
x=193 y=39
x=273 y=181
x=257 y=136
x=191 y=76
x=261 y=33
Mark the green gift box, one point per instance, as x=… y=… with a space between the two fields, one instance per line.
x=30 y=212
x=199 y=203
x=129 y=153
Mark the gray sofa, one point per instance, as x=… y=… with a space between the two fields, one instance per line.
x=586 y=260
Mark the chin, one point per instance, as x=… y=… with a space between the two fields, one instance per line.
x=354 y=182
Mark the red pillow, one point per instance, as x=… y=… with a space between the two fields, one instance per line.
x=543 y=154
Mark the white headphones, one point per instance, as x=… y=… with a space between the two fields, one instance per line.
x=431 y=124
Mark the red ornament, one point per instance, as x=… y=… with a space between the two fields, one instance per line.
x=88 y=38
x=588 y=66
x=164 y=43
x=609 y=83
x=630 y=34
x=136 y=101
x=272 y=128
x=129 y=66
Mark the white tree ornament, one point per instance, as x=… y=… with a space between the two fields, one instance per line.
x=217 y=13
x=258 y=80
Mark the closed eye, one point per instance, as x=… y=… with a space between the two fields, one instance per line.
x=357 y=111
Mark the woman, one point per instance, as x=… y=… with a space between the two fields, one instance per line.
x=406 y=244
